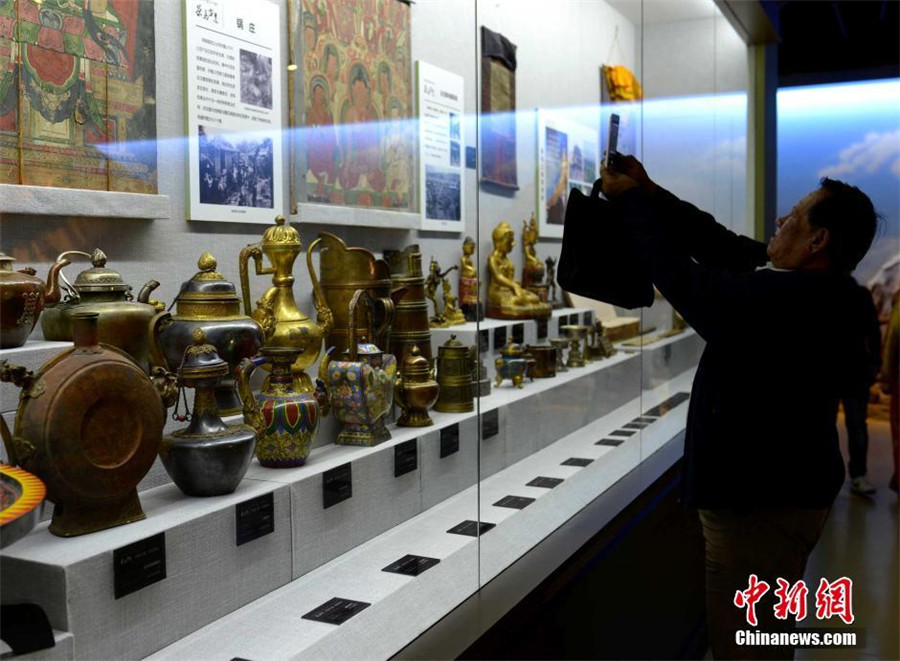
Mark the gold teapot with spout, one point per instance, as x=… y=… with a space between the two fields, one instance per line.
x=284 y=325
x=122 y=321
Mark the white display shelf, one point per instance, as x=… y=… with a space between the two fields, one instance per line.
x=63 y=650
x=77 y=202
x=403 y=607
x=208 y=576
x=468 y=333
x=31 y=356
x=668 y=357
x=529 y=419
x=356 y=217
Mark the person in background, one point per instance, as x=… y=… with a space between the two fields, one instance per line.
x=762 y=462
x=890 y=383
x=856 y=400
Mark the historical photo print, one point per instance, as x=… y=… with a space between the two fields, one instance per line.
x=256 y=79
x=235 y=169
x=442 y=193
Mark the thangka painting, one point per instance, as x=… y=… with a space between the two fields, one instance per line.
x=77 y=94
x=358 y=138
x=498 y=108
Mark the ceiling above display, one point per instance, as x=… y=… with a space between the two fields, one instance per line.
x=837 y=41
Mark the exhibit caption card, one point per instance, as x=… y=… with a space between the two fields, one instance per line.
x=233 y=110
x=442 y=140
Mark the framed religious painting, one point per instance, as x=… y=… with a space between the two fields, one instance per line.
x=78 y=95
x=498 y=110
x=354 y=109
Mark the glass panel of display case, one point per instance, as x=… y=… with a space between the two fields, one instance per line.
x=429 y=402
x=563 y=385
x=693 y=143
x=674 y=75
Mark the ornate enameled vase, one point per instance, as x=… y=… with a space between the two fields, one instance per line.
x=286 y=419
x=361 y=388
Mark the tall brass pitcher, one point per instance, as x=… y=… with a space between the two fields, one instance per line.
x=284 y=325
x=343 y=271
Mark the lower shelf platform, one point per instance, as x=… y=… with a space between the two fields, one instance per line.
x=525 y=502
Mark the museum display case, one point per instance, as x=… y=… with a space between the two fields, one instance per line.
x=430 y=408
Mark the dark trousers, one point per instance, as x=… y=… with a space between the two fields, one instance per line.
x=856 y=406
x=769 y=543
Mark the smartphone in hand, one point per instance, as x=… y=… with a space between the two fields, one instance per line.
x=613 y=142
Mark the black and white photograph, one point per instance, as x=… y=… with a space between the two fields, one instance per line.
x=442 y=193
x=454 y=153
x=235 y=168
x=256 y=79
x=454 y=126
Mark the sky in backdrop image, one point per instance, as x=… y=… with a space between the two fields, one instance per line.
x=851 y=132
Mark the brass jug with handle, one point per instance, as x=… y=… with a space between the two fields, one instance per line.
x=122 y=320
x=343 y=271
x=284 y=325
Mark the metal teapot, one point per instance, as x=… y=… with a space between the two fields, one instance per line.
x=361 y=385
x=208 y=302
x=284 y=325
x=122 y=321
x=22 y=298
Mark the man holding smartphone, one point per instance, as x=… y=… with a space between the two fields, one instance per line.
x=762 y=463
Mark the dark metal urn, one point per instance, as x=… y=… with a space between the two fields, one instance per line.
x=208 y=458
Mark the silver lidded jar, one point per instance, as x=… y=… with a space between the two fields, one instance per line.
x=208 y=458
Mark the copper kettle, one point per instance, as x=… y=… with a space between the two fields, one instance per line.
x=22 y=298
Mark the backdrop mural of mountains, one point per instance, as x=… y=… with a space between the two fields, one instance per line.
x=849 y=132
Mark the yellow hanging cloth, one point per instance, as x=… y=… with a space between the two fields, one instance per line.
x=621 y=84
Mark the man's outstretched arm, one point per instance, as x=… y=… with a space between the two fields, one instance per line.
x=708 y=242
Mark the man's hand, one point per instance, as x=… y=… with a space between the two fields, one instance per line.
x=613 y=183
x=630 y=166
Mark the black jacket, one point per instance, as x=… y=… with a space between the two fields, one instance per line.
x=780 y=348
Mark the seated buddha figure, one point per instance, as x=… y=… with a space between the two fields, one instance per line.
x=507 y=299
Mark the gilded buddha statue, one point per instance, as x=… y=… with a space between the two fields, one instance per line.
x=507 y=299
x=533 y=270
x=468 y=283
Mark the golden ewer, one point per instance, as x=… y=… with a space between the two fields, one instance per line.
x=284 y=325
